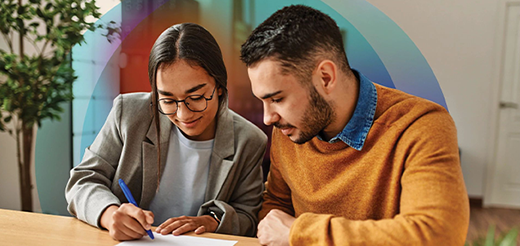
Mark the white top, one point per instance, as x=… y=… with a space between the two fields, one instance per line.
x=184 y=178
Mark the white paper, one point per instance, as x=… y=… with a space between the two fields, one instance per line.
x=171 y=240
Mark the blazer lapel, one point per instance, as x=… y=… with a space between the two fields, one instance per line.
x=149 y=148
x=221 y=158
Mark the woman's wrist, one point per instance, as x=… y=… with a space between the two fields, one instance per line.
x=104 y=221
x=212 y=224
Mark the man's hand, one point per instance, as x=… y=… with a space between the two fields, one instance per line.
x=183 y=224
x=274 y=228
x=126 y=222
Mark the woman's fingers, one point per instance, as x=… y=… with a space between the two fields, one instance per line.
x=188 y=226
x=129 y=222
x=183 y=224
x=124 y=220
x=168 y=222
x=200 y=230
x=131 y=230
x=124 y=227
x=173 y=226
x=138 y=214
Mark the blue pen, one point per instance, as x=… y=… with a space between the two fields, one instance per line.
x=131 y=199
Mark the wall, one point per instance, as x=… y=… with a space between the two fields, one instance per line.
x=457 y=38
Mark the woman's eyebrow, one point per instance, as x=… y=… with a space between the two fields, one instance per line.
x=195 y=88
x=165 y=93
x=191 y=90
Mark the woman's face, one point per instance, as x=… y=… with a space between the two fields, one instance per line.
x=181 y=80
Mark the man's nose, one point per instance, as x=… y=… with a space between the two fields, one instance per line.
x=270 y=116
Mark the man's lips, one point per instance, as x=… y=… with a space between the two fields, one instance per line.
x=287 y=130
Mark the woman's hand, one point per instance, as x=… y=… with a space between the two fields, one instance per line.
x=126 y=222
x=183 y=224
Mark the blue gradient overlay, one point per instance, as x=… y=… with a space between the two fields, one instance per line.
x=375 y=45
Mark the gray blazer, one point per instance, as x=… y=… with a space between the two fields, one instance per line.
x=126 y=148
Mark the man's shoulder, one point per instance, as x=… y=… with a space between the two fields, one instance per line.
x=397 y=106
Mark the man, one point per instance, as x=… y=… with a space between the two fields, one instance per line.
x=352 y=162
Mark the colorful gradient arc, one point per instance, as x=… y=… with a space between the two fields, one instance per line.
x=375 y=45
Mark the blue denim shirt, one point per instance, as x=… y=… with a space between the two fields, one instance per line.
x=355 y=132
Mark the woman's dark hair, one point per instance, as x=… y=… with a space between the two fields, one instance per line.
x=191 y=43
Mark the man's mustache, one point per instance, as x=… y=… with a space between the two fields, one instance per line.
x=283 y=126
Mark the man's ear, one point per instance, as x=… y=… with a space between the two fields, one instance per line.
x=327 y=72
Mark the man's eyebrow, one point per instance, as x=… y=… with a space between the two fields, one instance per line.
x=270 y=95
x=191 y=90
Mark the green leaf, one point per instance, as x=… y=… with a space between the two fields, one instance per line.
x=510 y=238
x=40 y=13
x=32 y=10
x=490 y=238
x=20 y=10
x=20 y=24
x=7 y=105
x=48 y=6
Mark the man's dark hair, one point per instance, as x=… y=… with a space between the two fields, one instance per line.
x=299 y=37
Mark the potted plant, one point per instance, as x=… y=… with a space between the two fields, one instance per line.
x=34 y=82
x=507 y=239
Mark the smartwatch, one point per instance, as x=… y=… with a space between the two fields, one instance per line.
x=214 y=216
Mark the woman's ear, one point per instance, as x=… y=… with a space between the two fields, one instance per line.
x=327 y=74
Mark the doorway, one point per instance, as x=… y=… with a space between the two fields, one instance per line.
x=503 y=184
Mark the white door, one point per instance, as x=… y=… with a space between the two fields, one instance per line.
x=505 y=180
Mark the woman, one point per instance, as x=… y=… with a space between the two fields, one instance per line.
x=191 y=163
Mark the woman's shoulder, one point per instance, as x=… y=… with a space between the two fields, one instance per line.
x=133 y=101
x=133 y=106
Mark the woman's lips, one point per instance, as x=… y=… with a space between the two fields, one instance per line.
x=190 y=124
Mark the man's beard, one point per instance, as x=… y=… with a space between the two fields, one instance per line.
x=318 y=115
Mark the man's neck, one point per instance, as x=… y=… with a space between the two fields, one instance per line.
x=344 y=103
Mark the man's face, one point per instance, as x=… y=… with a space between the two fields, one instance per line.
x=298 y=110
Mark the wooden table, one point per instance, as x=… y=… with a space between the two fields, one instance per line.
x=23 y=228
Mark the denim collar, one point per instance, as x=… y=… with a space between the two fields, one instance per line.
x=355 y=132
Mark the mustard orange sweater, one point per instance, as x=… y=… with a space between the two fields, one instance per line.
x=405 y=186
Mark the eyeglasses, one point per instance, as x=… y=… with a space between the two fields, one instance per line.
x=195 y=103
